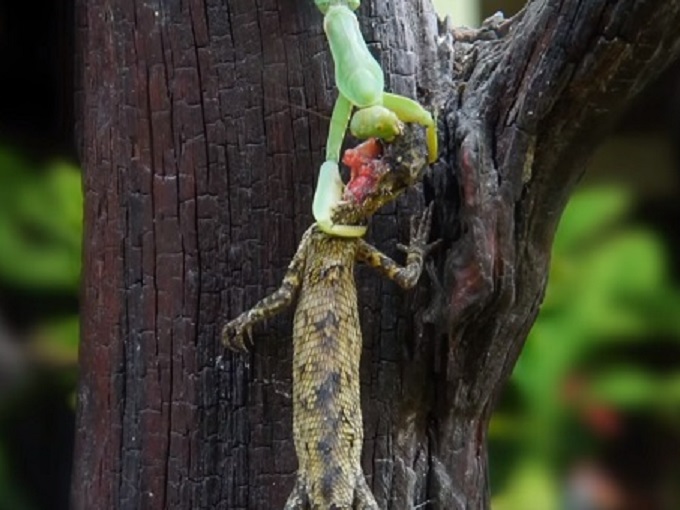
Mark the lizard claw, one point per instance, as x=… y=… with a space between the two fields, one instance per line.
x=421 y=229
x=420 y=233
x=429 y=248
x=236 y=332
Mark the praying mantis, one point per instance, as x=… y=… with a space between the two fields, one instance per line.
x=361 y=85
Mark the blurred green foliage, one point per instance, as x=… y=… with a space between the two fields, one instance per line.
x=40 y=224
x=40 y=253
x=609 y=284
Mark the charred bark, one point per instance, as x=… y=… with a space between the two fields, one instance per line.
x=200 y=149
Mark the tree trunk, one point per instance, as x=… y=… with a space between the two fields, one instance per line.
x=200 y=138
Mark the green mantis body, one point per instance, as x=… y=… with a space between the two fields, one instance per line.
x=361 y=84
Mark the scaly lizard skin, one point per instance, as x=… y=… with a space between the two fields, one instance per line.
x=327 y=420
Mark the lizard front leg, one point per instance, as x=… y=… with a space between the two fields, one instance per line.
x=405 y=276
x=235 y=331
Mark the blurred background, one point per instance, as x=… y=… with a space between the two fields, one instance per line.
x=591 y=417
x=40 y=245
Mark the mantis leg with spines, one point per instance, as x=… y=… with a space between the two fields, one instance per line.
x=409 y=110
x=329 y=191
x=338 y=126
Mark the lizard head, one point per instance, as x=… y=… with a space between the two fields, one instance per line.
x=379 y=173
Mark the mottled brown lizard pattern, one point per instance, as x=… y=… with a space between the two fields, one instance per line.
x=327 y=343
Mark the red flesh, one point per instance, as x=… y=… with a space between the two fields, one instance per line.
x=366 y=168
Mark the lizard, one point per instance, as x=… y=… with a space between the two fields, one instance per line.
x=327 y=341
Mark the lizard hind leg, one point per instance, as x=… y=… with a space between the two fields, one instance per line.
x=363 y=497
x=298 y=499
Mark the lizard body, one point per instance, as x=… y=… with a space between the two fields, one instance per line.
x=327 y=343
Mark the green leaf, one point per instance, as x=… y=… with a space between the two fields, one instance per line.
x=61 y=337
x=632 y=388
x=531 y=487
x=590 y=211
x=40 y=224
